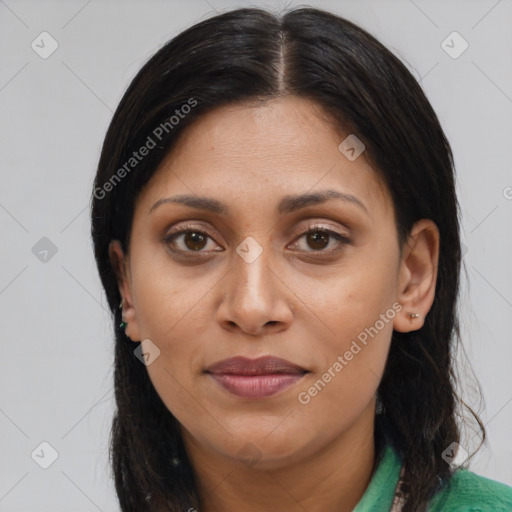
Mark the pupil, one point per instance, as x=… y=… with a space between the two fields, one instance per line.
x=316 y=237
x=195 y=238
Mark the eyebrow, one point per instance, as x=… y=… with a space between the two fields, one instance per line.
x=287 y=205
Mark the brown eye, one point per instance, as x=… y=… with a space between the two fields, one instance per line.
x=320 y=240
x=317 y=240
x=189 y=240
x=195 y=240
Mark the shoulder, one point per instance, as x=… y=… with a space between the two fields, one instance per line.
x=469 y=492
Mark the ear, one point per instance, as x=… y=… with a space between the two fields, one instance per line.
x=121 y=266
x=417 y=276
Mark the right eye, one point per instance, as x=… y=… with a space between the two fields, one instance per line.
x=188 y=239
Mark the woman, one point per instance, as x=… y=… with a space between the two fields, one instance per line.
x=276 y=228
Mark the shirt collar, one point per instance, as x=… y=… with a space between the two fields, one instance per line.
x=381 y=489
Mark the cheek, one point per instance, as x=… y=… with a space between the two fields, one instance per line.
x=351 y=364
x=356 y=313
x=355 y=298
x=172 y=311
x=351 y=359
x=170 y=301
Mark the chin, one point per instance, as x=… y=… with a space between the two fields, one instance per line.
x=260 y=450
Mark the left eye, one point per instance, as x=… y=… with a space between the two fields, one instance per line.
x=319 y=239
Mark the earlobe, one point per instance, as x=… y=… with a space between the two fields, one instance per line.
x=119 y=265
x=418 y=276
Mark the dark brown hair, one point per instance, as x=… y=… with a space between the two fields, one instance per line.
x=254 y=55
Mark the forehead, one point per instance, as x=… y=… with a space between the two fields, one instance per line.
x=249 y=152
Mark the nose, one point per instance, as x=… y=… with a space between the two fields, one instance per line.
x=255 y=298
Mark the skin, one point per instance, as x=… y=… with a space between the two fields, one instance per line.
x=293 y=301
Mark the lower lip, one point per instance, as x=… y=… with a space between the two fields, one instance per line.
x=257 y=386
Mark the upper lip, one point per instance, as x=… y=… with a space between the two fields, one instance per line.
x=265 y=365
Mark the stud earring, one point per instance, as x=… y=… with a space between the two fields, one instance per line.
x=122 y=325
x=413 y=315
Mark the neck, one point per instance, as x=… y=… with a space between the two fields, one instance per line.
x=330 y=480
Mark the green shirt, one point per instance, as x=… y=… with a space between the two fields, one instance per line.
x=466 y=491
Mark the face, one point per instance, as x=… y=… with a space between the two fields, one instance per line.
x=256 y=271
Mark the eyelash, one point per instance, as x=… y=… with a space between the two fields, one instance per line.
x=312 y=228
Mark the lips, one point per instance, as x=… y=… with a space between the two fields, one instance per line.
x=255 y=378
x=266 y=365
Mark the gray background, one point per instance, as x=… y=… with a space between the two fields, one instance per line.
x=56 y=378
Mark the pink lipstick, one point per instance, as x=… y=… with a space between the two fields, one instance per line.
x=255 y=378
